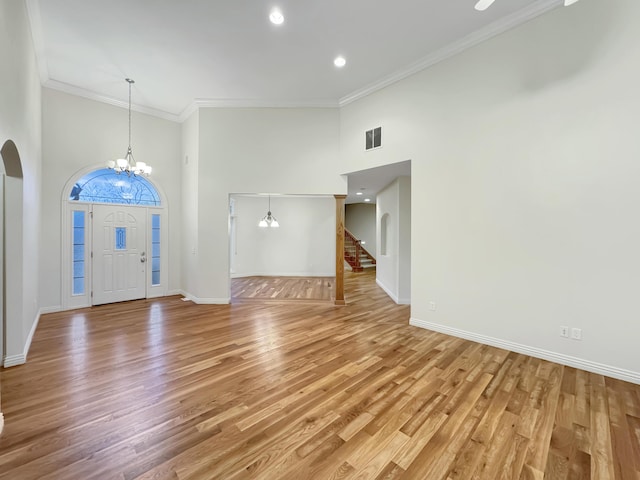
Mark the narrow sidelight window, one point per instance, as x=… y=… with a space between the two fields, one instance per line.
x=78 y=258
x=155 y=249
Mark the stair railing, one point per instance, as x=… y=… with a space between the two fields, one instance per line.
x=349 y=237
x=359 y=249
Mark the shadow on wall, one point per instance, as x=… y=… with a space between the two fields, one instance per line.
x=11 y=159
x=566 y=52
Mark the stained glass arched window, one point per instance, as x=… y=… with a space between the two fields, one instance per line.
x=107 y=186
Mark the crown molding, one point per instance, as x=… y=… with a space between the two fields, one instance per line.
x=81 y=92
x=253 y=103
x=35 y=22
x=496 y=28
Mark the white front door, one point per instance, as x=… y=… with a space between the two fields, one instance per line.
x=119 y=253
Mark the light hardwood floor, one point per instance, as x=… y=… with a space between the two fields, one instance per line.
x=277 y=289
x=166 y=389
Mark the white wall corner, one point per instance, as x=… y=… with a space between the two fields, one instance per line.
x=567 y=360
x=388 y=291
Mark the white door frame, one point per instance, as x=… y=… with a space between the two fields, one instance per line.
x=70 y=301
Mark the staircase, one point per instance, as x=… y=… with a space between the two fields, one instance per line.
x=355 y=254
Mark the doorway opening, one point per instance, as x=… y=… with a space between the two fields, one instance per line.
x=294 y=262
x=378 y=217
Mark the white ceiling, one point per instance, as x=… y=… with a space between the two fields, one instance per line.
x=373 y=180
x=183 y=53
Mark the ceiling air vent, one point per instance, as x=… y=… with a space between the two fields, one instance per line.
x=373 y=138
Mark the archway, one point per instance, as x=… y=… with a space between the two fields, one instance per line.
x=10 y=249
x=12 y=203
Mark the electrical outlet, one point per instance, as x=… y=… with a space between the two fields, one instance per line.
x=576 y=333
x=432 y=306
x=564 y=332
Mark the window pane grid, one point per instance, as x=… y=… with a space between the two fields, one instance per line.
x=78 y=252
x=155 y=249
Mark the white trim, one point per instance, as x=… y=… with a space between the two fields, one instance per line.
x=81 y=92
x=35 y=23
x=599 y=368
x=14 y=360
x=199 y=103
x=399 y=301
x=283 y=274
x=1 y=422
x=534 y=10
x=207 y=301
x=47 y=310
x=21 y=358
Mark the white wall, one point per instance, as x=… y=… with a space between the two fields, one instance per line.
x=81 y=134
x=20 y=122
x=524 y=164
x=303 y=245
x=287 y=151
x=360 y=219
x=189 y=189
x=393 y=269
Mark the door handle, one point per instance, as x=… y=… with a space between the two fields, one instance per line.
x=143 y=258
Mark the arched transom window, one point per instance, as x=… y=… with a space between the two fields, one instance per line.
x=107 y=186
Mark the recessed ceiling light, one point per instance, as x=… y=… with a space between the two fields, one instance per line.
x=367 y=199
x=276 y=17
x=339 y=62
x=359 y=193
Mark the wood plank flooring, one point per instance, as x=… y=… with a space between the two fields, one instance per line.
x=166 y=389
x=277 y=289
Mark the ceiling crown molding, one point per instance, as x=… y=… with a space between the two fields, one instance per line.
x=35 y=21
x=253 y=103
x=534 y=10
x=81 y=92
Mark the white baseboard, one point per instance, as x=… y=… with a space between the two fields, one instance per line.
x=589 y=366
x=55 y=309
x=206 y=301
x=21 y=358
x=282 y=274
x=14 y=360
x=399 y=301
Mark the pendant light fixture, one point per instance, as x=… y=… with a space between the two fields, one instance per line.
x=128 y=164
x=269 y=220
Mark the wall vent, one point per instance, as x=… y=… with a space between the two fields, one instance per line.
x=373 y=138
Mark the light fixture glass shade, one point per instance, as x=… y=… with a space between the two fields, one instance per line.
x=269 y=220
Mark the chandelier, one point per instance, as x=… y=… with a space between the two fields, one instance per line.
x=269 y=220
x=127 y=164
